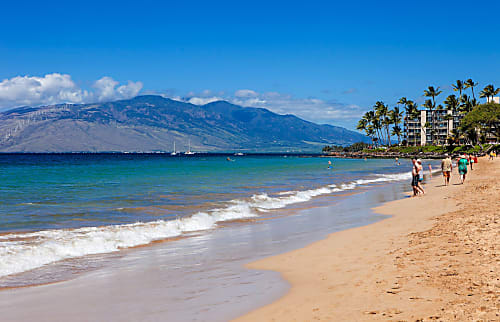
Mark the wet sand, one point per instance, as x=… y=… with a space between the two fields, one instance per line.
x=436 y=258
x=200 y=278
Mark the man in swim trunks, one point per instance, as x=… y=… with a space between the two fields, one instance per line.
x=462 y=167
x=446 y=167
x=415 y=184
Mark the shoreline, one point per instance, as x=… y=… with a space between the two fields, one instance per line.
x=144 y=282
x=382 y=271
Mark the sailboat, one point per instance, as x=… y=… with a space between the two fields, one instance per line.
x=174 y=153
x=189 y=152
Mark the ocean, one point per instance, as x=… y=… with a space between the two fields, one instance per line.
x=63 y=213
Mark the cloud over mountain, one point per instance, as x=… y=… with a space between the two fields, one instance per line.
x=312 y=109
x=60 y=88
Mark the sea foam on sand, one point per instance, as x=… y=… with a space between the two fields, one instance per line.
x=20 y=252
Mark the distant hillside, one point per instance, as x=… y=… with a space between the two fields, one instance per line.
x=153 y=123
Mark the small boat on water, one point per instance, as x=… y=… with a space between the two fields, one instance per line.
x=189 y=152
x=174 y=153
x=239 y=154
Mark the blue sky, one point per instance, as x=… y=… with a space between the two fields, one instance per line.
x=324 y=61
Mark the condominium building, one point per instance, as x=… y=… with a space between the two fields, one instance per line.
x=418 y=130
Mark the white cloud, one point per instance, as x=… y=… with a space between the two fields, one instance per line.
x=311 y=109
x=203 y=100
x=60 y=88
x=245 y=93
x=106 y=90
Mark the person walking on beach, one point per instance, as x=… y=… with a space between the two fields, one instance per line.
x=471 y=160
x=420 y=169
x=446 y=167
x=475 y=158
x=415 y=184
x=462 y=167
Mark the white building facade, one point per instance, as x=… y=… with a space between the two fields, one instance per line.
x=431 y=127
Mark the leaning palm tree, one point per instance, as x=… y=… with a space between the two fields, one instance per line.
x=432 y=92
x=470 y=84
x=489 y=91
x=396 y=116
x=382 y=110
x=396 y=130
x=362 y=124
x=386 y=122
x=458 y=87
x=371 y=133
x=375 y=124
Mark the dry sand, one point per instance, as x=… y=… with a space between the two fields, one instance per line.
x=436 y=258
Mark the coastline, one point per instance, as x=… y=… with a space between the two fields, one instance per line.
x=159 y=282
x=416 y=265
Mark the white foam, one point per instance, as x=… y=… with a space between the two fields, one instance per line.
x=27 y=251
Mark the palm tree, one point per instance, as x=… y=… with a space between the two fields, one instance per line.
x=429 y=107
x=465 y=104
x=412 y=113
x=404 y=102
x=396 y=130
x=454 y=136
x=470 y=84
x=458 y=87
x=451 y=103
x=489 y=91
x=375 y=124
x=364 y=124
x=396 y=117
x=433 y=92
x=381 y=111
x=371 y=133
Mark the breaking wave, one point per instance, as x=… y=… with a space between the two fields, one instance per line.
x=20 y=252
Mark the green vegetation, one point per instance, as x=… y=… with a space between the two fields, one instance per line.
x=356 y=147
x=484 y=119
x=479 y=123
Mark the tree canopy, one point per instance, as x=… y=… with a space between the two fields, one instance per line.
x=485 y=117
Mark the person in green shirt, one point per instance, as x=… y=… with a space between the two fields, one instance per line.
x=462 y=167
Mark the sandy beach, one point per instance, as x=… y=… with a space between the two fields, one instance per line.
x=436 y=258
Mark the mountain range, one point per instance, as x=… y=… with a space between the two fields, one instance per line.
x=151 y=123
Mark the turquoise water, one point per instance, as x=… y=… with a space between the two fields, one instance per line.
x=68 y=191
x=59 y=207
